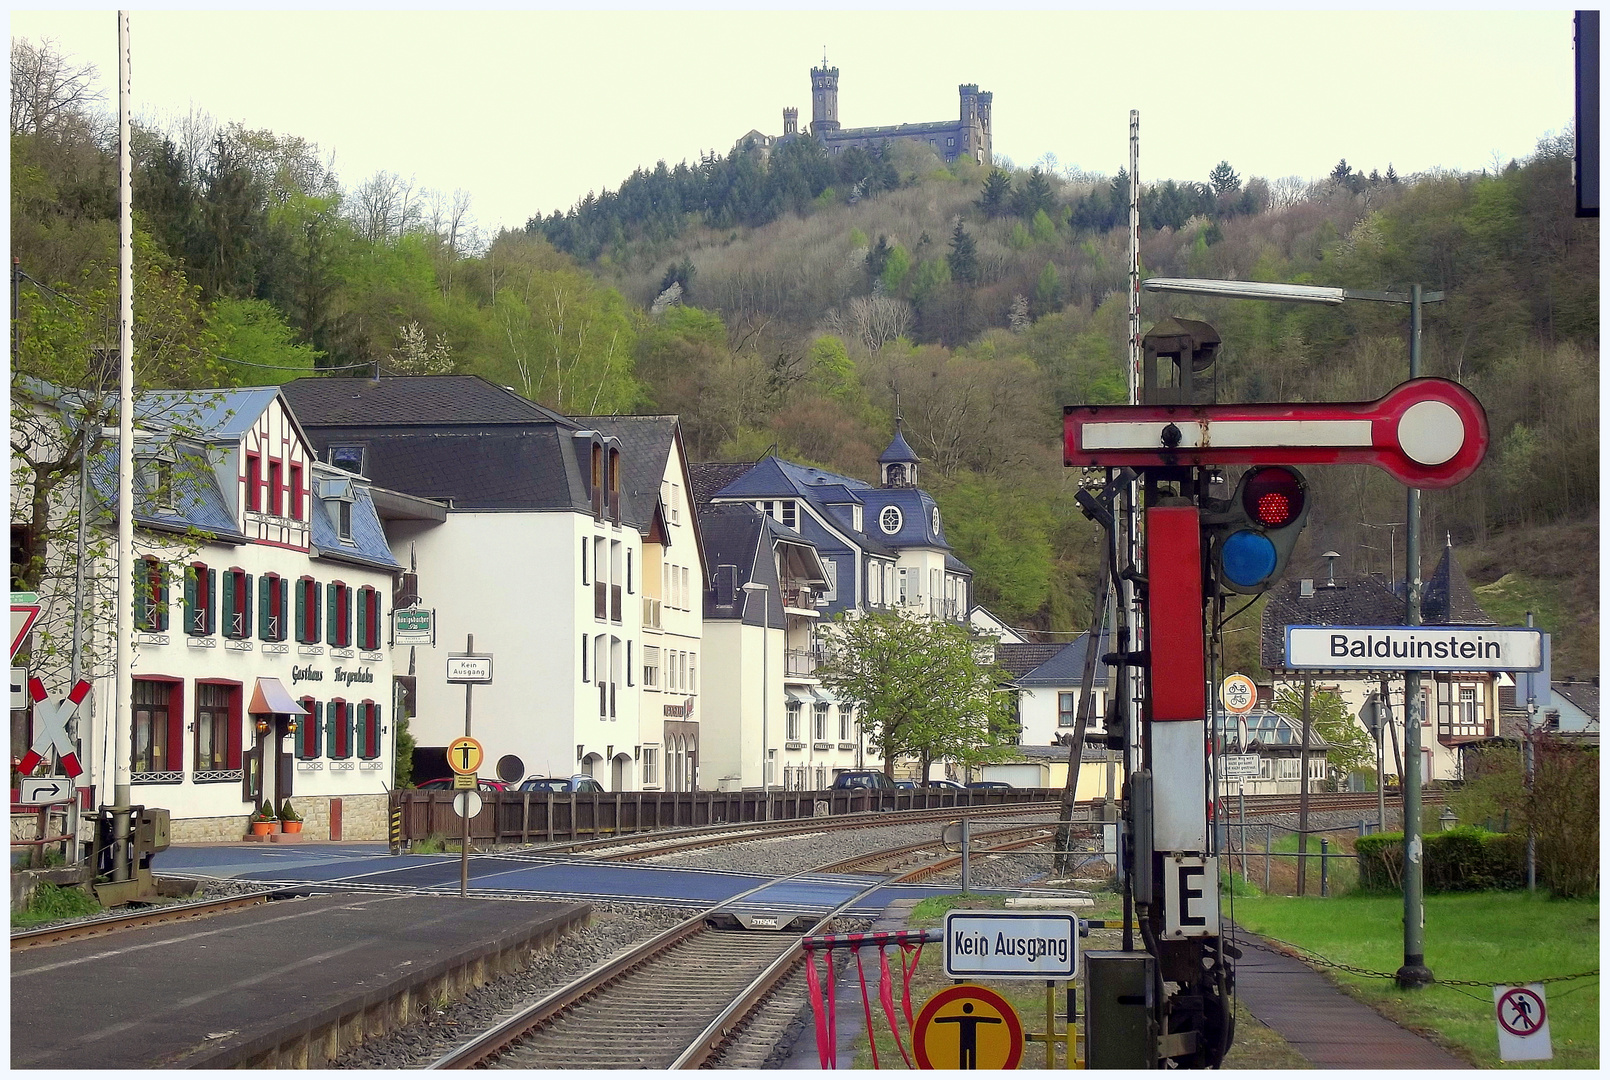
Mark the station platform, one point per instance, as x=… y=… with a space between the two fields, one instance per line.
x=292 y=984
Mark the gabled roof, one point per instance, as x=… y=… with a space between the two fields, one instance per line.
x=213 y=414
x=645 y=444
x=412 y=400
x=1019 y=660
x=1066 y=667
x=198 y=501
x=1584 y=695
x=1358 y=600
x=709 y=477
x=1446 y=598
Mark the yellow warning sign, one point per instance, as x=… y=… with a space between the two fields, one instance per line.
x=968 y=1027
x=464 y=756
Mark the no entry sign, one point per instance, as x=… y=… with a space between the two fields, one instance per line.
x=1428 y=433
x=1523 y=1023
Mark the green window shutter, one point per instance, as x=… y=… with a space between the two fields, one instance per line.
x=346 y=619
x=285 y=607
x=318 y=609
x=228 y=605
x=211 y=613
x=351 y=727
x=374 y=711
x=301 y=611
x=142 y=594
x=330 y=622
x=192 y=624
x=264 y=584
x=161 y=596
x=245 y=605
x=331 y=716
x=316 y=726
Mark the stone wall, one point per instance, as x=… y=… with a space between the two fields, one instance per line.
x=363 y=818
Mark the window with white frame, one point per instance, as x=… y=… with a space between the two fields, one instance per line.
x=819 y=728
x=651 y=666
x=693 y=673
x=793 y=721
x=1066 y=705
x=844 y=723
x=651 y=765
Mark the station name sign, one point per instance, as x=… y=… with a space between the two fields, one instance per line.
x=1414 y=648
x=1008 y=945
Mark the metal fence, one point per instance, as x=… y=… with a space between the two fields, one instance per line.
x=517 y=817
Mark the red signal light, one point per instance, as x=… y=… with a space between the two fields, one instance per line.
x=1273 y=497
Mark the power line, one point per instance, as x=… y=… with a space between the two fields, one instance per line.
x=295 y=367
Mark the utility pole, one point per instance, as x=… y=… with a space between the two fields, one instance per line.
x=464 y=846
x=1302 y=790
x=1414 y=972
x=123 y=709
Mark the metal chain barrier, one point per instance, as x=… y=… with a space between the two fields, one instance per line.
x=1307 y=956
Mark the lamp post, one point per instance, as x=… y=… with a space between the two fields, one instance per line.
x=1414 y=972
x=754 y=588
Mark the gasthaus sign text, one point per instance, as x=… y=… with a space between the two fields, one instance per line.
x=1011 y=945
x=1414 y=648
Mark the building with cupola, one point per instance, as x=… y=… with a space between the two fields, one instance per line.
x=836 y=544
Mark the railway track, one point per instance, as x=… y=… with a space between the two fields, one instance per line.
x=111 y=924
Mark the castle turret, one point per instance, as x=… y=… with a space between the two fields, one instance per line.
x=985 y=99
x=824 y=99
x=898 y=463
x=790 y=121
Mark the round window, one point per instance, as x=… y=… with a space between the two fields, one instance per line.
x=889 y=521
x=936 y=521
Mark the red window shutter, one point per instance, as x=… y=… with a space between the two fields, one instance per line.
x=235 y=729
x=176 y=727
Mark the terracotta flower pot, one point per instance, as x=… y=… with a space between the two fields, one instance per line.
x=263 y=828
x=291 y=826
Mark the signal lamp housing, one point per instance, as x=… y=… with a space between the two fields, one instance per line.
x=1250 y=536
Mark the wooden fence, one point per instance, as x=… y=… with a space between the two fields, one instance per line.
x=517 y=817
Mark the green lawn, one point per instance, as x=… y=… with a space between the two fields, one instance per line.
x=1489 y=937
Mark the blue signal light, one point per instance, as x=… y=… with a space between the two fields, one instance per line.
x=1247 y=558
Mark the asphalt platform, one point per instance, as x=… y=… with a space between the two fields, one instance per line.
x=288 y=984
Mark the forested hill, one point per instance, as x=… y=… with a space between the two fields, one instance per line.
x=778 y=298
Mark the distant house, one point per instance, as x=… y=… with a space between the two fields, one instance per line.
x=1276 y=740
x=987 y=622
x=1049 y=679
x=1458 y=707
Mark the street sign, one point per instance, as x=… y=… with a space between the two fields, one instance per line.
x=1523 y=1023
x=45 y=790
x=1427 y=433
x=50 y=722
x=1011 y=945
x=1238 y=767
x=967 y=1027
x=469 y=668
x=1190 y=896
x=1238 y=694
x=466 y=804
x=465 y=781
x=413 y=626
x=464 y=756
x=19 y=688
x=1414 y=648
x=24 y=613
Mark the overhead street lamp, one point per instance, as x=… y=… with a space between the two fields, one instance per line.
x=754 y=588
x=1414 y=972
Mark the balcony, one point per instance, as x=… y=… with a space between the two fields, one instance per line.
x=801 y=661
x=651 y=613
x=800 y=598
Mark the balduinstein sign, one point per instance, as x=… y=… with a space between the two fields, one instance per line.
x=1414 y=648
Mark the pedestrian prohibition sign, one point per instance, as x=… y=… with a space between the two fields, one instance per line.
x=1523 y=1023
x=464 y=756
x=968 y=1027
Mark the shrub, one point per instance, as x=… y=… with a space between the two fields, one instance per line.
x=1461 y=859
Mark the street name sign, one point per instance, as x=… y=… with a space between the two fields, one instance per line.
x=1238 y=767
x=1427 y=433
x=1011 y=945
x=413 y=626
x=1414 y=648
x=1523 y=1023
x=469 y=668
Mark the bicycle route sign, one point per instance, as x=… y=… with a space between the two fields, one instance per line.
x=1523 y=1023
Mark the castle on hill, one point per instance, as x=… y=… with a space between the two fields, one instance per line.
x=966 y=136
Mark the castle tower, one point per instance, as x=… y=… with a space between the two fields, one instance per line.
x=985 y=99
x=824 y=99
x=790 y=121
x=970 y=135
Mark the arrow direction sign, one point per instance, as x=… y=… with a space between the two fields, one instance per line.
x=50 y=723
x=1427 y=433
x=44 y=790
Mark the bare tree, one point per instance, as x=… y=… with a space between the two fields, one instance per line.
x=47 y=89
x=875 y=320
x=385 y=207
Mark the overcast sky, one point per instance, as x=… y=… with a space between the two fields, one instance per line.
x=529 y=111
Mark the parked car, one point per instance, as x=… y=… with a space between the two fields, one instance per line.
x=990 y=785
x=906 y=785
x=579 y=782
x=445 y=783
x=944 y=785
x=863 y=779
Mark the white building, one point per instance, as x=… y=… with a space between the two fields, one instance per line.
x=538 y=555
x=1049 y=681
x=259 y=665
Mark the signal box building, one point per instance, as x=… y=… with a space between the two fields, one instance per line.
x=538 y=554
x=263 y=583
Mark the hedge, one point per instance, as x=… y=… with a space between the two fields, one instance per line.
x=1461 y=859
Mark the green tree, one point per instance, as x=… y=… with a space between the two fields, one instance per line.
x=1033 y=195
x=257 y=346
x=1223 y=179
x=895 y=270
x=963 y=257
x=930 y=275
x=1042 y=227
x=919 y=686
x=1351 y=748
x=1047 y=290
x=997 y=194
x=877 y=259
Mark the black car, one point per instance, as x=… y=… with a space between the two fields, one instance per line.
x=579 y=782
x=863 y=779
x=990 y=785
x=943 y=785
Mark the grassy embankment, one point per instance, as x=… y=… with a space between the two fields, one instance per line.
x=1485 y=937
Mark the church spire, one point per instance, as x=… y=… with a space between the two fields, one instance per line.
x=899 y=462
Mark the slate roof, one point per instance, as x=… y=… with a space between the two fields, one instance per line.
x=1584 y=695
x=368 y=546
x=412 y=400
x=1066 y=667
x=898 y=450
x=710 y=477
x=198 y=501
x=1358 y=600
x=645 y=446
x=217 y=414
x=1446 y=598
x=1019 y=660
x=736 y=534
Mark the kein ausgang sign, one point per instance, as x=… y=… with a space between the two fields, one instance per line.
x=1009 y=945
x=1414 y=648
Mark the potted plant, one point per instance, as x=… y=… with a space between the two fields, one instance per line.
x=290 y=820
x=263 y=819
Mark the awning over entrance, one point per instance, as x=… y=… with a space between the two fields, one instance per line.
x=270 y=696
x=797 y=695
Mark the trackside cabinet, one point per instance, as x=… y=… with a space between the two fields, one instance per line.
x=1119 y=991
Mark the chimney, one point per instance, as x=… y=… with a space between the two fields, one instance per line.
x=1305 y=588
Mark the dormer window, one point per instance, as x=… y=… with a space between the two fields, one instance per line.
x=936 y=521
x=890 y=520
x=154 y=462
x=338 y=497
x=348 y=456
x=857 y=517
